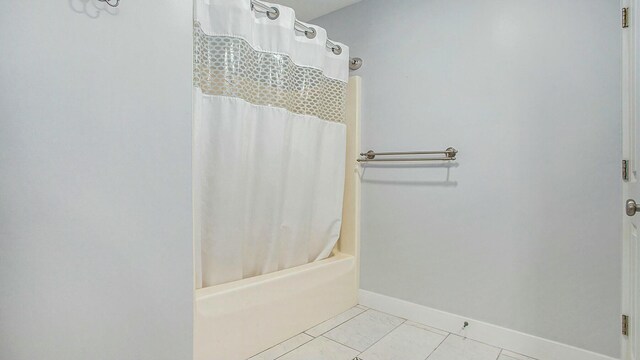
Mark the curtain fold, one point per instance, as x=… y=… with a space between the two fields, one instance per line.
x=269 y=142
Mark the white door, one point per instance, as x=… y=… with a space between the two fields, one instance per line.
x=631 y=188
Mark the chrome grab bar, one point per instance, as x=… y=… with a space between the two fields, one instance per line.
x=449 y=154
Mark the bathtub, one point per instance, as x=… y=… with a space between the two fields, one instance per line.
x=237 y=320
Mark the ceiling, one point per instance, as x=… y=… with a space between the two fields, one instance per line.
x=310 y=9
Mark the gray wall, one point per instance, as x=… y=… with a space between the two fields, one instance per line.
x=524 y=232
x=95 y=181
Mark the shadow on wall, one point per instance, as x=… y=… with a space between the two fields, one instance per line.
x=447 y=182
x=92 y=8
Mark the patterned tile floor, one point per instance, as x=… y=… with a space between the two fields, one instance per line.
x=368 y=334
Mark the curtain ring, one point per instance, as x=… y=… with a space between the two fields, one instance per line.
x=336 y=50
x=273 y=14
x=311 y=33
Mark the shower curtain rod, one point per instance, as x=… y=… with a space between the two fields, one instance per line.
x=273 y=13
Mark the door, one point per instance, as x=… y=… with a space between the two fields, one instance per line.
x=631 y=188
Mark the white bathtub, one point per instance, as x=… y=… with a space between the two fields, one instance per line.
x=237 y=320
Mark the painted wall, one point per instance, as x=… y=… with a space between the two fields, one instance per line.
x=524 y=230
x=95 y=180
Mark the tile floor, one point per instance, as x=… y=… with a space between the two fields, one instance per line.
x=368 y=334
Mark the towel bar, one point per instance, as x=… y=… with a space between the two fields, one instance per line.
x=449 y=154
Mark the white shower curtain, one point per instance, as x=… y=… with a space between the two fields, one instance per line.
x=269 y=142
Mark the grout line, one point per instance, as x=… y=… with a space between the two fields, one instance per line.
x=280 y=343
x=299 y=346
x=431 y=331
x=509 y=357
x=474 y=340
x=434 y=350
x=349 y=319
x=339 y=343
x=384 y=336
x=500 y=353
x=395 y=316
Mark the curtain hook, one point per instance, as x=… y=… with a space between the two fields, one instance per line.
x=108 y=2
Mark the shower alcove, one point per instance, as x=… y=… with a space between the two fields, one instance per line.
x=236 y=320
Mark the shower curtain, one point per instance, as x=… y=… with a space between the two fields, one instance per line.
x=269 y=141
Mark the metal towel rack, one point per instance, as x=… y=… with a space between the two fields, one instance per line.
x=449 y=154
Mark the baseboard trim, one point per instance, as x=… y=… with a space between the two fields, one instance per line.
x=477 y=330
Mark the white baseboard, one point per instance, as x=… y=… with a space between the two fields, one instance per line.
x=512 y=340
